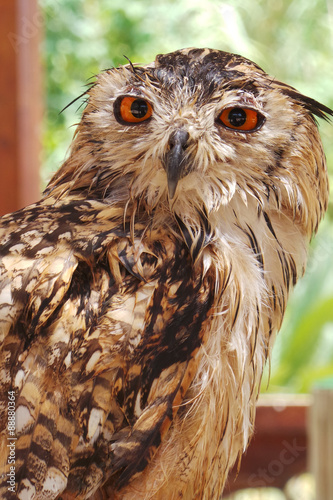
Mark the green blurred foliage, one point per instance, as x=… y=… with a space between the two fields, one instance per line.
x=303 y=352
x=291 y=40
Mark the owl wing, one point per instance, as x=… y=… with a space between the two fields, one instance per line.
x=101 y=336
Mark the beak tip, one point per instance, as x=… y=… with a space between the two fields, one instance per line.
x=172 y=186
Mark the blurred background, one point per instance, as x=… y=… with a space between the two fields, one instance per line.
x=292 y=41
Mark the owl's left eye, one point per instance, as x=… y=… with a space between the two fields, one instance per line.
x=132 y=110
x=242 y=119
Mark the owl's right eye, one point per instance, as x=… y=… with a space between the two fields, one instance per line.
x=130 y=110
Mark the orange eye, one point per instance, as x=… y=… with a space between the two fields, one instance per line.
x=243 y=119
x=132 y=110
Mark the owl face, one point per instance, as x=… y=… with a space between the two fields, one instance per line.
x=197 y=128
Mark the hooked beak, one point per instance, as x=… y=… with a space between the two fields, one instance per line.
x=174 y=161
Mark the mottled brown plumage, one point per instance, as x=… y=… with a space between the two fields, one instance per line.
x=141 y=296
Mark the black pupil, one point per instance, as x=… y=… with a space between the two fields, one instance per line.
x=139 y=108
x=237 y=117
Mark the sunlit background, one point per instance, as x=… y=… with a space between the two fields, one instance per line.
x=291 y=40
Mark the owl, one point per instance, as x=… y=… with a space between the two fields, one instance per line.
x=140 y=297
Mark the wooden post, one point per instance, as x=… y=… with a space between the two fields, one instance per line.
x=321 y=440
x=20 y=102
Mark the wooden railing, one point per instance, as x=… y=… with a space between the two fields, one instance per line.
x=278 y=450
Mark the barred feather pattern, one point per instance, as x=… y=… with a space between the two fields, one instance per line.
x=138 y=306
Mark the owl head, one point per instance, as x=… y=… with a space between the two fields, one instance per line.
x=198 y=129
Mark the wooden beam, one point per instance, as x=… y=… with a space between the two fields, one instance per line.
x=21 y=103
x=278 y=450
